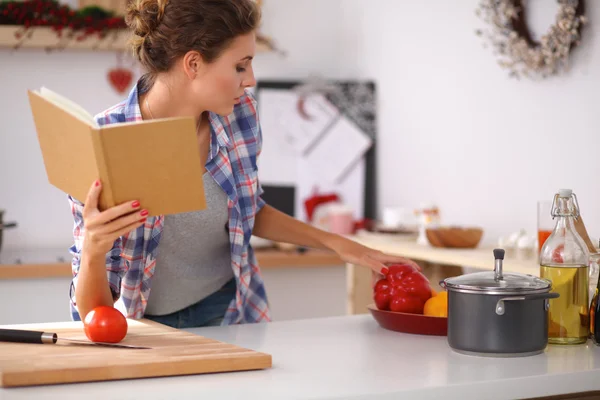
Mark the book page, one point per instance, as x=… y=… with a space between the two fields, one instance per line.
x=68 y=105
x=66 y=145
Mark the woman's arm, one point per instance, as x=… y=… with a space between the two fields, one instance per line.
x=92 y=289
x=97 y=251
x=275 y=225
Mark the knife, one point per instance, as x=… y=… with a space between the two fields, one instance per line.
x=26 y=336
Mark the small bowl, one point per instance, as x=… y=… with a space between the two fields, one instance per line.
x=454 y=237
x=410 y=323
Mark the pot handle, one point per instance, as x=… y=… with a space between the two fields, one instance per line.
x=500 y=308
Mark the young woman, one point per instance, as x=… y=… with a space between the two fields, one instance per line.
x=193 y=269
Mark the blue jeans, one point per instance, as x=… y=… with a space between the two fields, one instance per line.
x=207 y=312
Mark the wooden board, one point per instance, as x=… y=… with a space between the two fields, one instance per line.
x=43 y=37
x=174 y=352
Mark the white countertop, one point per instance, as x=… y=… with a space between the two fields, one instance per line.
x=352 y=358
x=481 y=257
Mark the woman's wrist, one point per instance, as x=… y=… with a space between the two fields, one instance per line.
x=92 y=256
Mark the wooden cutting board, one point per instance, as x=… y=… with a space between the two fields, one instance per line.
x=174 y=352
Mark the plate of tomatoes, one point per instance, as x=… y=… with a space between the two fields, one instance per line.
x=406 y=302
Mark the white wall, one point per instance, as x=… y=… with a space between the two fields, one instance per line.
x=453 y=128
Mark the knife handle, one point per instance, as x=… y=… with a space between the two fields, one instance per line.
x=24 y=336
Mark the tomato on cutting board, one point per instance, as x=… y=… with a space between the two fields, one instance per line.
x=105 y=324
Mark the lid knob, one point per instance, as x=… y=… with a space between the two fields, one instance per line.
x=498 y=256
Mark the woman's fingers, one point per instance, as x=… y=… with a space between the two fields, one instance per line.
x=126 y=229
x=96 y=218
x=91 y=200
x=103 y=228
x=121 y=223
x=375 y=265
x=116 y=212
x=391 y=259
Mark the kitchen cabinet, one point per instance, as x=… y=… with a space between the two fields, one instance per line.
x=299 y=285
x=34 y=285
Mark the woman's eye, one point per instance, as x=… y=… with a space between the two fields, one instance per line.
x=241 y=69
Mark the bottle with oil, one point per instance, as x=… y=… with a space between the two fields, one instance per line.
x=564 y=261
x=595 y=304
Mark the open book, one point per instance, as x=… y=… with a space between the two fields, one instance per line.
x=156 y=162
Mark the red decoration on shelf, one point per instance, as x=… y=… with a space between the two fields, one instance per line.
x=78 y=24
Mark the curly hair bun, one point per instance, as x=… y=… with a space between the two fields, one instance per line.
x=144 y=16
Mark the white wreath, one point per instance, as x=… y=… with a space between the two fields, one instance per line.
x=549 y=57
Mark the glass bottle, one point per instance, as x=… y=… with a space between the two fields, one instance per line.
x=595 y=305
x=564 y=261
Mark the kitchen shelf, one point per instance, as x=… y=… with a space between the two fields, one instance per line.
x=46 y=38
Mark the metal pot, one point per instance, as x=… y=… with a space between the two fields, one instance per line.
x=498 y=314
x=4 y=225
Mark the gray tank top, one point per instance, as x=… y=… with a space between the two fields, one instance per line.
x=194 y=258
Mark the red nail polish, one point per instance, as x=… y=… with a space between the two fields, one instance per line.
x=97 y=183
x=385 y=271
x=144 y=213
x=143 y=220
x=135 y=204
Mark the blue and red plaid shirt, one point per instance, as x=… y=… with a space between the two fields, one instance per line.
x=235 y=145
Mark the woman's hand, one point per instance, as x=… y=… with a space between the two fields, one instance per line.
x=355 y=253
x=103 y=228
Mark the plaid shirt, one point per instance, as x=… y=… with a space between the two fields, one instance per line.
x=234 y=148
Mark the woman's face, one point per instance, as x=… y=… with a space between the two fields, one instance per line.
x=220 y=84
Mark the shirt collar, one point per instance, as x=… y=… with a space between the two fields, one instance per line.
x=220 y=132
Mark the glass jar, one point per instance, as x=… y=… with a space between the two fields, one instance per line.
x=564 y=261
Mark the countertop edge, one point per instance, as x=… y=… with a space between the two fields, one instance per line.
x=271 y=259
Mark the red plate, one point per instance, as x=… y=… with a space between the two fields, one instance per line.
x=410 y=323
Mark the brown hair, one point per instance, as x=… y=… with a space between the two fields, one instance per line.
x=165 y=30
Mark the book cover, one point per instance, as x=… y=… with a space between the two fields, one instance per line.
x=156 y=162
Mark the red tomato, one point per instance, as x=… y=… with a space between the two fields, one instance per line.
x=105 y=324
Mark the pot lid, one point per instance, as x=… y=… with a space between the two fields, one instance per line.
x=487 y=282
x=497 y=281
